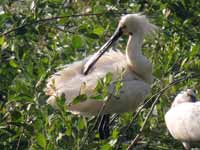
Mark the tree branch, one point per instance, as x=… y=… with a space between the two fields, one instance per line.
x=56 y=18
x=145 y=121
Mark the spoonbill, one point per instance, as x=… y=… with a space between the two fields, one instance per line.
x=183 y=119
x=83 y=75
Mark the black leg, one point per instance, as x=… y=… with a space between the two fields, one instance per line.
x=106 y=126
x=103 y=127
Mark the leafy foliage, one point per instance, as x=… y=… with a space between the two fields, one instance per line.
x=39 y=35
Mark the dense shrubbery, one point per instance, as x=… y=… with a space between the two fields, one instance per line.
x=32 y=46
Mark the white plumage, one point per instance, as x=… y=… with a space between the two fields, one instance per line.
x=136 y=79
x=183 y=119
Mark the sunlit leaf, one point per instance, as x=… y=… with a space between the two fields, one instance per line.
x=106 y=147
x=1 y=40
x=41 y=140
x=81 y=124
x=77 y=41
x=108 y=78
x=13 y=63
x=99 y=31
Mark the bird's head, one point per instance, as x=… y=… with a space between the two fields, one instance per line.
x=135 y=23
x=129 y=24
x=187 y=95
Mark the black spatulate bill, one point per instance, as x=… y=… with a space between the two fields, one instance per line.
x=88 y=65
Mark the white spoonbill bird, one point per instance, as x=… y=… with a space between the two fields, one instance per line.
x=183 y=119
x=136 y=68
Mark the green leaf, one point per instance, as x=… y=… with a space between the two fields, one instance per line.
x=1 y=40
x=100 y=85
x=194 y=50
x=108 y=78
x=41 y=140
x=113 y=142
x=115 y=133
x=118 y=87
x=92 y=35
x=60 y=101
x=13 y=63
x=77 y=41
x=69 y=130
x=183 y=62
x=106 y=147
x=99 y=8
x=99 y=31
x=80 y=98
x=97 y=97
x=81 y=123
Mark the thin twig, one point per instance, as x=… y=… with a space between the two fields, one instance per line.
x=115 y=116
x=101 y=110
x=145 y=121
x=19 y=140
x=138 y=111
x=56 y=18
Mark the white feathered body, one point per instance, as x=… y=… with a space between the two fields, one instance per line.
x=134 y=67
x=183 y=119
x=183 y=122
x=71 y=82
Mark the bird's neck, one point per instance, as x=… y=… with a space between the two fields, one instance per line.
x=137 y=61
x=133 y=49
